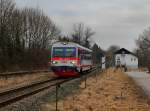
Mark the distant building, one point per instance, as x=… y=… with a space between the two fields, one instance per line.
x=123 y=57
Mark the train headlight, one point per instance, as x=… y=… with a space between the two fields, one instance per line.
x=54 y=62
x=73 y=62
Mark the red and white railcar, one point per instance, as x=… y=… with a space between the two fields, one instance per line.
x=70 y=59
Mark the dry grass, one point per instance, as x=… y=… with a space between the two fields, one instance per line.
x=23 y=79
x=143 y=69
x=114 y=91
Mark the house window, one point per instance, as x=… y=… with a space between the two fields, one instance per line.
x=134 y=59
x=131 y=59
x=118 y=58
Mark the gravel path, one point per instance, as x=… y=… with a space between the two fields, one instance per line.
x=142 y=79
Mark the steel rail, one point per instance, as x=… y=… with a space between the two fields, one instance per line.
x=15 y=94
x=22 y=73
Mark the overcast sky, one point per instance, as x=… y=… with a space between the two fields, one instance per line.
x=116 y=22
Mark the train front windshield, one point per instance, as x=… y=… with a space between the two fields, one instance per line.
x=64 y=52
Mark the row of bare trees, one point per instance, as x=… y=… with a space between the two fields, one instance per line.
x=25 y=35
x=143 y=50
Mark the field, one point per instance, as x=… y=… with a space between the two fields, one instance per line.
x=113 y=91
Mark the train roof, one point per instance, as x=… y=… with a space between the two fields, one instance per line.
x=69 y=44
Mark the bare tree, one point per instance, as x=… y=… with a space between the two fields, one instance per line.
x=143 y=44
x=82 y=34
x=88 y=34
x=64 y=38
x=97 y=54
x=7 y=8
x=110 y=58
x=39 y=29
x=78 y=33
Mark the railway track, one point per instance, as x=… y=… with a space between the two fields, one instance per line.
x=9 y=96
x=12 y=95
x=7 y=74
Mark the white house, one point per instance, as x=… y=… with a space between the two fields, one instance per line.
x=123 y=57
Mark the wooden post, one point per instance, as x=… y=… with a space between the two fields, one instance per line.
x=85 y=81
x=96 y=75
x=57 y=88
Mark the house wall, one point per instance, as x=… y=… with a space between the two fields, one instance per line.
x=103 y=63
x=129 y=60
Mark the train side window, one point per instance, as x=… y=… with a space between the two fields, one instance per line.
x=88 y=57
x=85 y=57
x=80 y=52
x=82 y=57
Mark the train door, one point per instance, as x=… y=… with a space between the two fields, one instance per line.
x=82 y=59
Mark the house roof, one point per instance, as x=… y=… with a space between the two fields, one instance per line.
x=124 y=51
